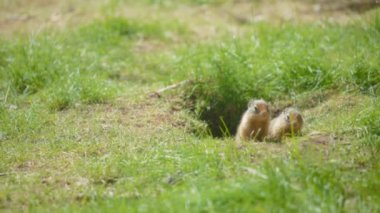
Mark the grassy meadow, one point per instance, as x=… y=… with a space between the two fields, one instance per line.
x=82 y=128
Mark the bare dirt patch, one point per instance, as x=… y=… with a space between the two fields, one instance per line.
x=205 y=21
x=35 y=16
x=141 y=117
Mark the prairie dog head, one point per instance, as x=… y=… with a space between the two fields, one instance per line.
x=294 y=119
x=259 y=109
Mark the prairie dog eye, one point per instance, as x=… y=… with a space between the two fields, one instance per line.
x=256 y=109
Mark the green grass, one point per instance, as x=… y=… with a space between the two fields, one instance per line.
x=75 y=66
x=80 y=130
x=277 y=63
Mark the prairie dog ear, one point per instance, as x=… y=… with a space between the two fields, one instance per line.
x=251 y=103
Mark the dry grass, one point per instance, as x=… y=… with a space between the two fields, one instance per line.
x=206 y=22
x=139 y=153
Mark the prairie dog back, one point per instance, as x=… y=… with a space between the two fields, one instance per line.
x=289 y=122
x=254 y=123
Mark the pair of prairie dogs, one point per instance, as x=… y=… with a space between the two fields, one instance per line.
x=256 y=123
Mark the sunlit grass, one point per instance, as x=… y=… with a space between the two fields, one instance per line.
x=81 y=131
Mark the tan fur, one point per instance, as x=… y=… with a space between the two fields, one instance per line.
x=254 y=123
x=289 y=122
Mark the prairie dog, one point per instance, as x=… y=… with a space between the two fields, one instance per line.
x=254 y=123
x=289 y=122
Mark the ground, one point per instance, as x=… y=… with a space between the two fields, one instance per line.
x=84 y=129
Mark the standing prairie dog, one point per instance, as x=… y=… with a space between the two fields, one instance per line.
x=254 y=123
x=289 y=122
